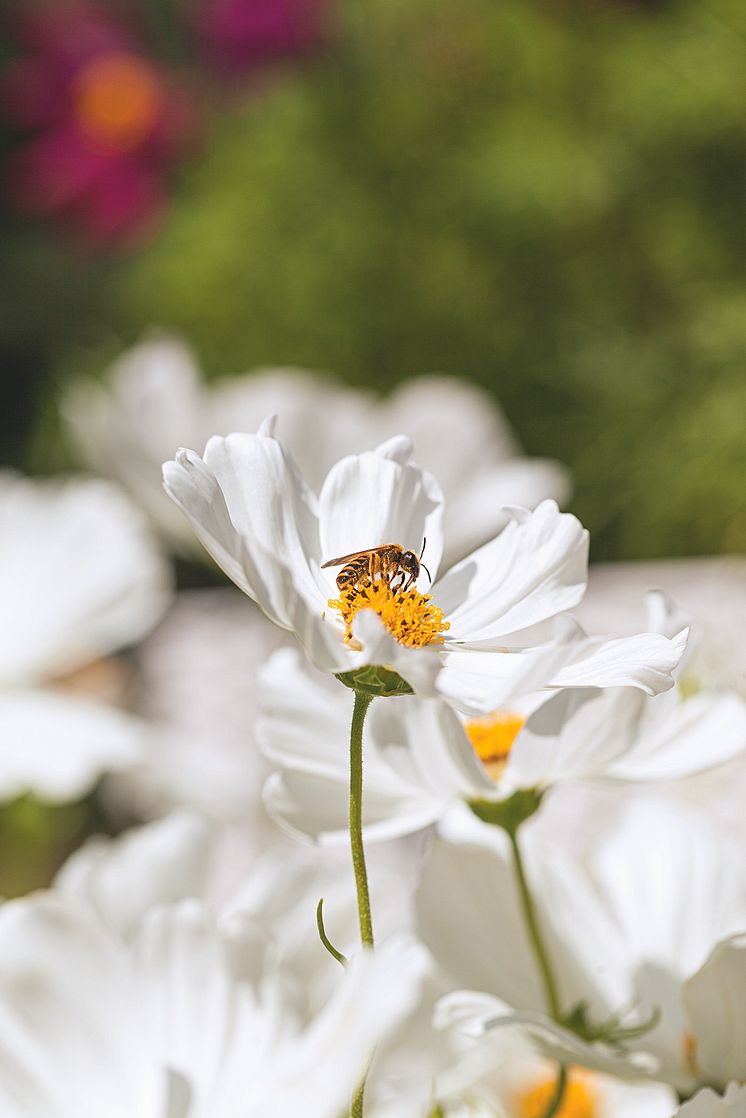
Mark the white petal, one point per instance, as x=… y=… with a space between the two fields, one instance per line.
x=647 y=660
x=469 y=916
x=259 y=568
x=376 y=498
x=652 y=865
x=57 y=745
x=72 y=1043
x=150 y=402
x=305 y=719
x=423 y=741
x=316 y=807
x=79 y=575
x=533 y=570
x=122 y=879
x=320 y=1072
x=702 y=731
x=476 y=505
x=706 y=1104
x=715 y=999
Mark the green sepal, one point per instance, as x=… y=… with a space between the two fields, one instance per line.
x=508 y=813
x=611 y=1031
x=374 y=679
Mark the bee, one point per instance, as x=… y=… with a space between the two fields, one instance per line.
x=389 y=561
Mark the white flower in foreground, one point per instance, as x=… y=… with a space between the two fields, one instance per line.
x=479 y=629
x=421 y=757
x=197 y=688
x=629 y=934
x=706 y=1104
x=79 y=579
x=154 y=399
x=175 y=1025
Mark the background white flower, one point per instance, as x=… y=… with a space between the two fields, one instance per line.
x=175 y=1025
x=197 y=687
x=80 y=578
x=153 y=399
x=627 y=929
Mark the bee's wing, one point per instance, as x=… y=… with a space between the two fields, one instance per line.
x=342 y=559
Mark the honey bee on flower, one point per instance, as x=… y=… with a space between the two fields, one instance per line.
x=482 y=634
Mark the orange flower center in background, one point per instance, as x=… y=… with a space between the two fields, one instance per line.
x=579 y=1100
x=117 y=100
x=493 y=737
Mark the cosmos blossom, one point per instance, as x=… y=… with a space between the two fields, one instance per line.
x=661 y=904
x=421 y=756
x=478 y=635
x=155 y=397
x=187 y=1018
x=80 y=579
x=104 y=124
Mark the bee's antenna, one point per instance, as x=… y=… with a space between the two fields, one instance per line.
x=424 y=541
x=427 y=572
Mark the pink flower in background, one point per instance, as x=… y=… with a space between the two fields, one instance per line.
x=107 y=124
x=242 y=36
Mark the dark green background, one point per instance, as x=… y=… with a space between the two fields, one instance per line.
x=546 y=197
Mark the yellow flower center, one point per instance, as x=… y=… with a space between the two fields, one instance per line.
x=493 y=737
x=117 y=100
x=579 y=1099
x=409 y=616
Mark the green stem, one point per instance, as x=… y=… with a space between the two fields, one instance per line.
x=362 y=702
x=360 y=709
x=559 y=1095
x=529 y=912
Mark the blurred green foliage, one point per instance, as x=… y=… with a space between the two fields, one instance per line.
x=547 y=196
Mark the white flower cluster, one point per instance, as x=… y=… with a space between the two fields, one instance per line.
x=546 y=822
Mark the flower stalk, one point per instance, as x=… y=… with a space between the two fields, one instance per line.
x=360 y=709
x=363 y=699
x=532 y=924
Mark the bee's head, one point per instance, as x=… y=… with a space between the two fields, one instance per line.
x=411 y=563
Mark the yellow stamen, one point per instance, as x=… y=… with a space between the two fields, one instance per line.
x=408 y=615
x=690 y=1054
x=579 y=1100
x=493 y=737
x=117 y=99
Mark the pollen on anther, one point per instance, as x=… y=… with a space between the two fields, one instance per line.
x=411 y=617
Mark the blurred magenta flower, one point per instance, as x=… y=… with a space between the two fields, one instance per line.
x=242 y=36
x=107 y=123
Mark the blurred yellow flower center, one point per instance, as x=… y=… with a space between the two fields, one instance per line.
x=579 y=1100
x=493 y=737
x=690 y=1054
x=117 y=99
x=409 y=616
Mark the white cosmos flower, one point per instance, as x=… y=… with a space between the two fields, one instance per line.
x=421 y=756
x=153 y=399
x=197 y=688
x=79 y=579
x=712 y=591
x=122 y=880
x=480 y=633
x=184 y=1022
x=629 y=932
